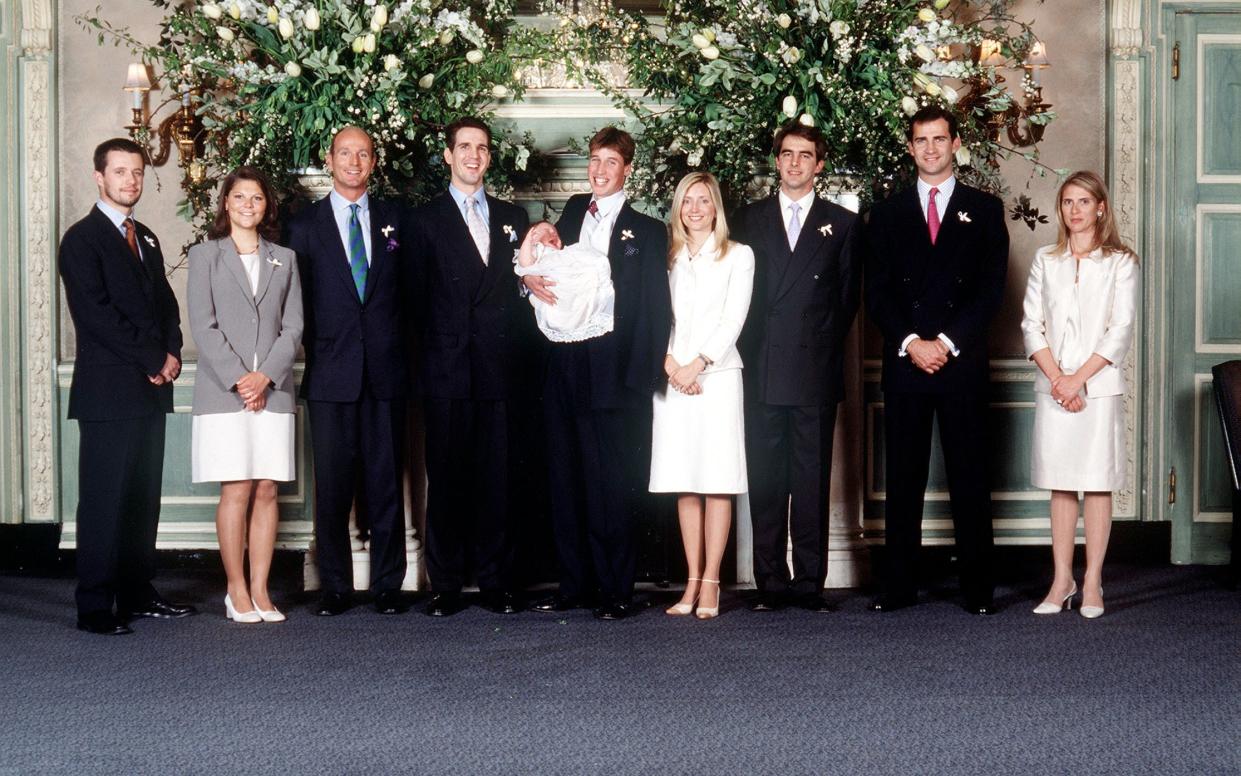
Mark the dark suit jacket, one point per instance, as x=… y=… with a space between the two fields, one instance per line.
x=350 y=342
x=953 y=287
x=471 y=317
x=803 y=304
x=126 y=319
x=627 y=365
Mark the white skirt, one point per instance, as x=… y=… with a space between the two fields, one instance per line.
x=698 y=442
x=243 y=446
x=1078 y=451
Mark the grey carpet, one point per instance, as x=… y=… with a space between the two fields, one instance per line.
x=1154 y=687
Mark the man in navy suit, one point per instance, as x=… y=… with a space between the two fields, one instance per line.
x=470 y=323
x=597 y=398
x=806 y=287
x=935 y=279
x=355 y=285
x=128 y=353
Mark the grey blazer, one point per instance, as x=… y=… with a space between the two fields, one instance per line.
x=231 y=325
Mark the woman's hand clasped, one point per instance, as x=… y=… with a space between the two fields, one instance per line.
x=252 y=388
x=684 y=379
x=1067 y=391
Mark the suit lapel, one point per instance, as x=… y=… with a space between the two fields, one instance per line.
x=232 y=263
x=381 y=219
x=116 y=241
x=915 y=260
x=329 y=236
x=267 y=268
x=616 y=243
x=500 y=255
x=808 y=243
x=949 y=222
x=777 y=240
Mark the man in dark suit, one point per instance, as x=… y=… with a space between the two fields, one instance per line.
x=935 y=279
x=806 y=286
x=128 y=353
x=355 y=286
x=470 y=318
x=597 y=398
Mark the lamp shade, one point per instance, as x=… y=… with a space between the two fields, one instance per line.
x=990 y=54
x=136 y=79
x=1036 y=57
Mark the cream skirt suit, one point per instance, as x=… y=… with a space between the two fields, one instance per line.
x=1078 y=308
x=698 y=442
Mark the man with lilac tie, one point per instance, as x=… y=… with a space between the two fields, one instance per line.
x=938 y=253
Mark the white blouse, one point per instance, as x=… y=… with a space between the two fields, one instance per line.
x=710 y=300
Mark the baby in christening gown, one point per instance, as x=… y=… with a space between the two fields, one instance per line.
x=582 y=279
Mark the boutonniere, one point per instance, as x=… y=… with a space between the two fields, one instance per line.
x=150 y=240
x=392 y=244
x=963 y=217
x=387 y=230
x=825 y=230
x=626 y=235
x=274 y=261
x=512 y=234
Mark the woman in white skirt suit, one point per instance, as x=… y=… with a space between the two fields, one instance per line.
x=245 y=304
x=1080 y=306
x=698 y=445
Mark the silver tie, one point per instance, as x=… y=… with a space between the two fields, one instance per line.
x=478 y=230
x=794 y=226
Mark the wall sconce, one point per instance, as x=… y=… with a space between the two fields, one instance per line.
x=1021 y=122
x=182 y=128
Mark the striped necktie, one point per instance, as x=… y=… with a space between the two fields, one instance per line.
x=357 y=251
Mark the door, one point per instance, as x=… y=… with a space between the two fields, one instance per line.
x=1204 y=285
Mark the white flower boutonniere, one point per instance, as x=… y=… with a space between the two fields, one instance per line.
x=825 y=230
x=512 y=233
x=150 y=240
x=626 y=235
x=963 y=217
x=274 y=262
x=387 y=230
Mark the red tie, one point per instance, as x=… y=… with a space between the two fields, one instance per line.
x=131 y=237
x=593 y=209
x=932 y=215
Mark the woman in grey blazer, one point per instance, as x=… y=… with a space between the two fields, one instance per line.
x=245 y=305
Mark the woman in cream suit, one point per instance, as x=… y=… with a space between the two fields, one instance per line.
x=245 y=305
x=698 y=446
x=1080 y=306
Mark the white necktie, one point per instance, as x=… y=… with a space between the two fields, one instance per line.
x=478 y=230
x=794 y=226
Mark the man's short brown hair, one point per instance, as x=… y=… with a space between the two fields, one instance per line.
x=615 y=138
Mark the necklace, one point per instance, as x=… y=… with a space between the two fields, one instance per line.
x=692 y=251
x=242 y=252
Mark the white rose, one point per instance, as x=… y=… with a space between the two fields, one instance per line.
x=926 y=15
x=473 y=56
x=909 y=105
x=924 y=52
x=225 y=34
x=234 y=11
x=951 y=95
x=273 y=16
x=391 y=62
x=379 y=18
x=789 y=107
x=293 y=69
x=368 y=43
x=212 y=11
x=792 y=56
x=700 y=41
x=963 y=157
x=784 y=20
x=711 y=52
x=446 y=37
x=286 y=27
x=806 y=120
x=426 y=81
x=311 y=20
x=934 y=89
x=499 y=91
x=839 y=29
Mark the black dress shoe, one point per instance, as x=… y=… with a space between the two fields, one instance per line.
x=891 y=603
x=501 y=602
x=391 y=602
x=558 y=603
x=155 y=607
x=982 y=608
x=766 y=602
x=444 y=605
x=615 y=611
x=332 y=604
x=813 y=602
x=103 y=624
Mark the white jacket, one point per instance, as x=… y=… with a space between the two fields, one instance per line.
x=710 y=300
x=1095 y=317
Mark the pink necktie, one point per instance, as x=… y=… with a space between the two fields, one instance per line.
x=593 y=209
x=932 y=215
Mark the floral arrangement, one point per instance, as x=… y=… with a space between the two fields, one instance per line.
x=277 y=78
x=720 y=76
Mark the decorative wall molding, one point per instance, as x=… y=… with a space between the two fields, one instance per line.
x=37 y=16
x=1126 y=27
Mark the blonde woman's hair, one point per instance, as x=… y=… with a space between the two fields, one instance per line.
x=678 y=236
x=1106 y=235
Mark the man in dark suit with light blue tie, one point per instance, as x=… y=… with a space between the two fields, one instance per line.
x=354 y=286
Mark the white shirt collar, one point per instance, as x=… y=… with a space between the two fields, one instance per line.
x=945 y=189
x=340 y=203
x=803 y=203
x=610 y=205
x=117 y=218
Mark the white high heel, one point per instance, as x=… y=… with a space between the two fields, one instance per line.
x=269 y=615
x=231 y=613
x=679 y=609
x=1051 y=607
x=708 y=612
x=1092 y=612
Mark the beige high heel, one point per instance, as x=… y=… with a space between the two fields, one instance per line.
x=1052 y=607
x=1092 y=612
x=679 y=609
x=708 y=612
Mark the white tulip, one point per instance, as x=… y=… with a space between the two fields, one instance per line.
x=963 y=157
x=499 y=91
x=700 y=41
x=791 y=56
x=909 y=105
x=806 y=120
x=225 y=34
x=926 y=15
x=934 y=89
x=379 y=18
x=426 y=81
x=273 y=16
x=951 y=95
x=446 y=37
x=838 y=28
x=357 y=44
x=711 y=52
x=941 y=4
x=473 y=56
x=368 y=43
x=921 y=80
x=212 y=11
x=789 y=107
x=234 y=11
x=784 y=20
x=391 y=62
x=286 y=27
x=709 y=34
x=293 y=69
x=311 y=20
x=924 y=52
